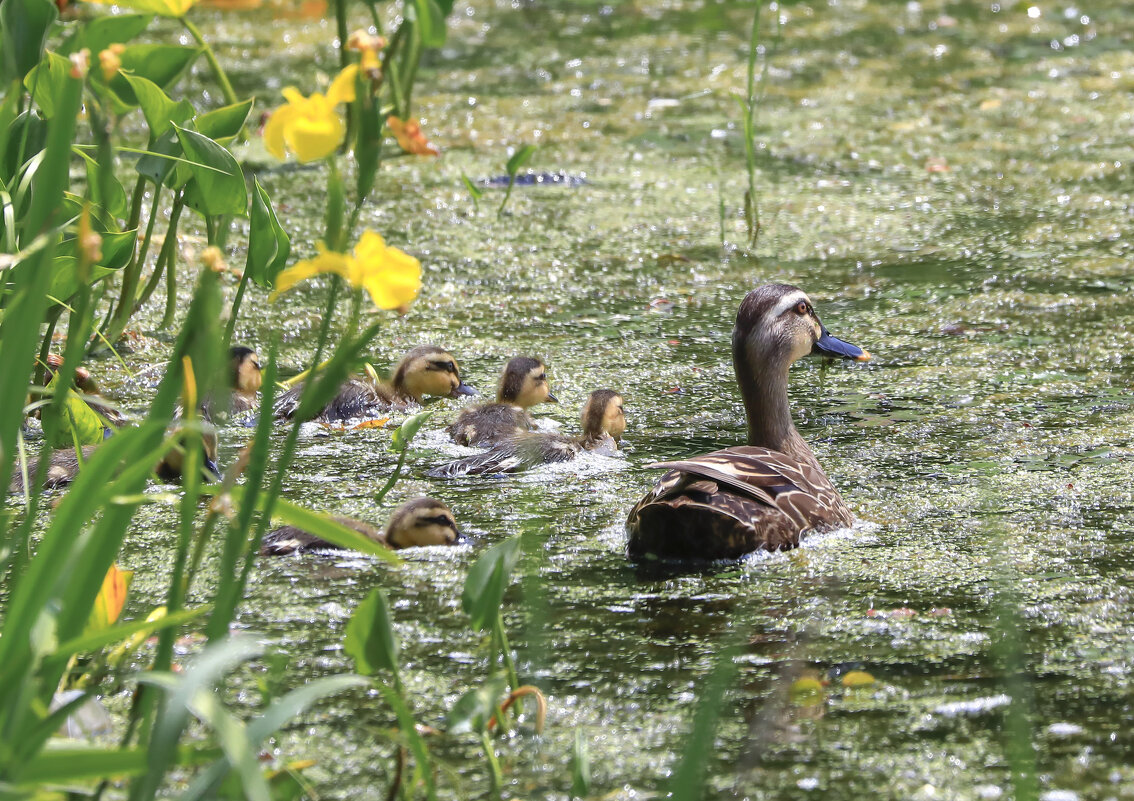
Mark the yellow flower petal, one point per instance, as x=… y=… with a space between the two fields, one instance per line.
x=342 y=88
x=390 y=276
x=274 y=130
x=326 y=262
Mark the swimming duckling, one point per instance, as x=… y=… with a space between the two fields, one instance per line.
x=84 y=382
x=422 y=521
x=244 y=380
x=424 y=370
x=63 y=466
x=604 y=422
x=765 y=495
x=522 y=385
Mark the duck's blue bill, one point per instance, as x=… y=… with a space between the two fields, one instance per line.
x=836 y=348
x=464 y=389
x=212 y=469
x=551 y=398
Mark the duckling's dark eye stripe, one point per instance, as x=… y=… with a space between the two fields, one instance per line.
x=439 y=520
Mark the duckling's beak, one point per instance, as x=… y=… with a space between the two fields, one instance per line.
x=836 y=348
x=463 y=389
x=551 y=398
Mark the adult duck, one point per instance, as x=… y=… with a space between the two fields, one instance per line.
x=765 y=495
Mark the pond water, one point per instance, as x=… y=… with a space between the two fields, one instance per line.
x=949 y=181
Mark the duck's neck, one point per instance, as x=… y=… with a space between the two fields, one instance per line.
x=769 y=416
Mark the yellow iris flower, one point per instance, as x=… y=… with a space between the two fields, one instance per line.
x=310 y=127
x=390 y=276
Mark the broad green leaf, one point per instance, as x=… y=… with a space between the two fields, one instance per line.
x=486 y=582
x=408 y=430
x=163 y=8
x=225 y=122
x=101 y=32
x=162 y=64
x=161 y=158
x=111 y=598
x=268 y=243
x=475 y=708
x=520 y=158
x=116 y=203
x=218 y=176
x=23 y=31
x=17 y=150
x=160 y=111
x=78 y=422
x=46 y=81
x=370 y=639
x=430 y=21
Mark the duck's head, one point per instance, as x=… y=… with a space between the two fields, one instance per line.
x=603 y=414
x=777 y=325
x=429 y=370
x=245 y=370
x=84 y=381
x=524 y=383
x=422 y=521
x=172 y=466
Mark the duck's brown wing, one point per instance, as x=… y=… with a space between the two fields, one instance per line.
x=485 y=425
x=516 y=453
x=357 y=397
x=291 y=539
x=730 y=502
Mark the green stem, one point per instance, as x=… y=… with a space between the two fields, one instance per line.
x=506 y=652
x=226 y=88
x=230 y=328
x=131 y=273
x=336 y=201
x=165 y=256
x=341 y=25
x=494 y=773
x=393 y=479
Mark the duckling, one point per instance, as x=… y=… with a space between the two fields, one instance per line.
x=770 y=493
x=604 y=422
x=244 y=380
x=63 y=466
x=84 y=382
x=522 y=385
x=422 y=521
x=424 y=370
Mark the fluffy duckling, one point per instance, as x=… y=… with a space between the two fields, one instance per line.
x=84 y=382
x=63 y=466
x=244 y=379
x=422 y=521
x=522 y=385
x=424 y=370
x=604 y=422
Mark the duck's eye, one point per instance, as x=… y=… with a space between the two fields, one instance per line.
x=540 y=378
x=802 y=308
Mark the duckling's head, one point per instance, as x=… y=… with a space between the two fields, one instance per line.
x=524 y=383
x=245 y=366
x=429 y=370
x=777 y=325
x=84 y=381
x=422 y=521
x=172 y=466
x=603 y=414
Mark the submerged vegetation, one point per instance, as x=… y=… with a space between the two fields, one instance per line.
x=171 y=193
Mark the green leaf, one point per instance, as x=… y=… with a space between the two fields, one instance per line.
x=519 y=159
x=17 y=151
x=370 y=638
x=46 y=81
x=101 y=32
x=161 y=64
x=115 y=634
x=430 y=22
x=23 y=30
x=161 y=112
x=268 y=243
x=325 y=528
x=162 y=156
x=408 y=430
x=416 y=742
x=580 y=768
x=475 y=708
x=486 y=582
x=116 y=204
x=225 y=122
x=474 y=190
x=219 y=179
x=61 y=765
